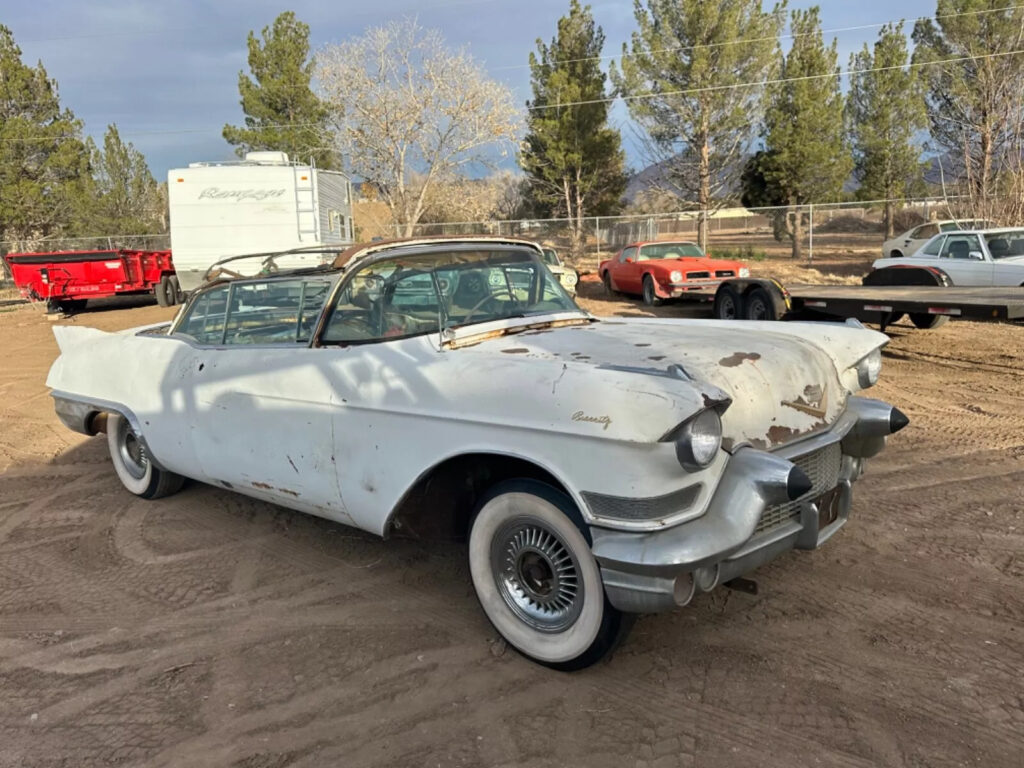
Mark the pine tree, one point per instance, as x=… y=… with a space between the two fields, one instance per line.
x=281 y=111
x=127 y=197
x=43 y=161
x=699 y=59
x=806 y=157
x=974 y=73
x=573 y=159
x=885 y=115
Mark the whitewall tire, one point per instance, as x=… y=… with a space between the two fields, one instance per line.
x=133 y=465
x=536 y=578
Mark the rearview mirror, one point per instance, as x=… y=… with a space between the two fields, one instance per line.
x=977 y=256
x=629 y=260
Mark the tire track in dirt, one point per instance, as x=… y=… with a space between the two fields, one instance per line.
x=338 y=648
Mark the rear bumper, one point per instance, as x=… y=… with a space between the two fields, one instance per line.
x=748 y=521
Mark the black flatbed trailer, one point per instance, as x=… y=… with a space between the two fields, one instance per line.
x=927 y=305
x=874 y=301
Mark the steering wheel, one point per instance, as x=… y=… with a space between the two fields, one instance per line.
x=485 y=299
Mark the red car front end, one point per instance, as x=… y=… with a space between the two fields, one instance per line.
x=667 y=270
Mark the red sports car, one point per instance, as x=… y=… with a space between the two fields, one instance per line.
x=666 y=270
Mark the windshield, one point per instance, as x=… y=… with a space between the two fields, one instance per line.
x=670 y=251
x=959 y=226
x=1002 y=245
x=550 y=257
x=425 y=293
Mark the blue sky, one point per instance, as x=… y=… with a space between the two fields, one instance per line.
x=167 y=72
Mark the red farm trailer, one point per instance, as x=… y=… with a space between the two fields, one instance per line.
x=65 y=280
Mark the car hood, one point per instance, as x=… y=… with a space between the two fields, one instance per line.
x=687 y=264
x=781 y=381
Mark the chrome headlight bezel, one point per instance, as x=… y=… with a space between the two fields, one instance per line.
x=698 y=440
x=869 y=368
x=675 y=276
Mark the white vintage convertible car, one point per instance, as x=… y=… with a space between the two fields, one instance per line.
x=598 y=467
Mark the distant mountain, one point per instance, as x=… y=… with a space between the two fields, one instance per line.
x=655 y=176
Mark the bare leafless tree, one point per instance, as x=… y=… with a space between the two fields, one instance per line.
x=408 y=113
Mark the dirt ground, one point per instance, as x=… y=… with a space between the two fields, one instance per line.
x=212 y=629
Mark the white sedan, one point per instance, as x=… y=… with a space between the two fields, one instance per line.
x=598 y=467
x=911 y=241
x=978 y=257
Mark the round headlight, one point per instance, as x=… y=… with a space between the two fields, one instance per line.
x=869 y=368
x=699 y=440
x=744 y=271
x=676 y=276
x=569 y=279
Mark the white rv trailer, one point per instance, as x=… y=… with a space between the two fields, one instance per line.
x=262 y=203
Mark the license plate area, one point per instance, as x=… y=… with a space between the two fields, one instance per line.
x=828 y=508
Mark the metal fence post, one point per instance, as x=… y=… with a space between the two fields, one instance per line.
x=810 y=231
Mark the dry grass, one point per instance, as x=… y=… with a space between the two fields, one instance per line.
x=8 y=292
x=786 y=272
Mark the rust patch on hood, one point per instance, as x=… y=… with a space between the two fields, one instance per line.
x=814 y=402
x=778 y=434
x=737 y=358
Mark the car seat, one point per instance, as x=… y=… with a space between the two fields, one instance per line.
x=959 y=249
x=999 y=247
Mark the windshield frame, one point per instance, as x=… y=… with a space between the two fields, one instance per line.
x=535 y=257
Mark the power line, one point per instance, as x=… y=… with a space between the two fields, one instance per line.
x=456 y=3
x=790 y=36
x=606 y=100
x=775 y=81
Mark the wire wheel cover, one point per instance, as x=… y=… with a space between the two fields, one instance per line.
x=537 y=575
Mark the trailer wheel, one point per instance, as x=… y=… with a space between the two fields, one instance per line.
x=926 y=322
x=728 y=303
x=134 y=468
x=758 y=305
x=70 y=306
x=175 y=293
x=160 y=290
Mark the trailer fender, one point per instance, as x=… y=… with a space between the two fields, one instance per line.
x=900 y=274
x=744 y=288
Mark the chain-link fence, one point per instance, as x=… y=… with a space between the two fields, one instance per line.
x=741 y=232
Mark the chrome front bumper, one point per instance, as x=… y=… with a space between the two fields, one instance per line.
x=750 y=519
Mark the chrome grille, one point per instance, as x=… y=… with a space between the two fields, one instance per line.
x=822 y=467
x=697 y=275
x=724 y=273
x=652 y=508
